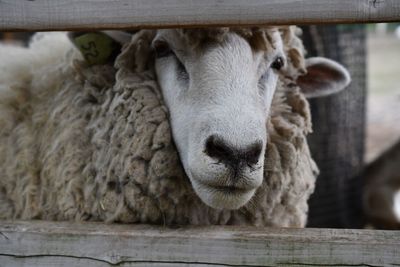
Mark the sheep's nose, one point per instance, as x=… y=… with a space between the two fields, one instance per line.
x=220 y=150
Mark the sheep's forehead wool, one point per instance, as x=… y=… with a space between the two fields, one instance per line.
x=260 y=39
x=94 y=143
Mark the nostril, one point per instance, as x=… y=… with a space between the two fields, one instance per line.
x=218 y=149
x=252 y=155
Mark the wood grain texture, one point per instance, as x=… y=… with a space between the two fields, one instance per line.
x=337 y=140
x=34 y=15
x=39 y=243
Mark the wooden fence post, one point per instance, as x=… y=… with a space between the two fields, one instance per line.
x=337 y=143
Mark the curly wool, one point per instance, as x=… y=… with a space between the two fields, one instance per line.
x=94 y=143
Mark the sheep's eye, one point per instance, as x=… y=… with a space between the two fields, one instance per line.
x=162 y=49
x=183 y=74
x=278 y=63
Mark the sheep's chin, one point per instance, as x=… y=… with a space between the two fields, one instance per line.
x=220 y=198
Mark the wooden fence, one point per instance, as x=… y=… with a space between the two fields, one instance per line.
x=41 y=243
x=34 y=15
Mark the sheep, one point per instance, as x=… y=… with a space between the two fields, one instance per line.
x=188 y=126
x=381 y=198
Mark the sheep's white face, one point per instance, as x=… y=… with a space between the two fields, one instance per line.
x=218 y=97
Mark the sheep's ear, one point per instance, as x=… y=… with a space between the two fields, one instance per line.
x=324 y=77
x=136 y=55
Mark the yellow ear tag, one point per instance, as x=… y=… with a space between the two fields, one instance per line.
x=96 y=47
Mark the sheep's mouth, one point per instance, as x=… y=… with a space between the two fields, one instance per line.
x=228 y=197
x=227 y=189
x=230 y=189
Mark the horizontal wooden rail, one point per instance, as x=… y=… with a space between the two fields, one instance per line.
x=39 y=243
x=34 y=15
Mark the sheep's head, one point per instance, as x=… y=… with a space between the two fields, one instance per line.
x=218 y=93
x=218 y=85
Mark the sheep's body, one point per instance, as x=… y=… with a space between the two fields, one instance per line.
x=94 y=143
x=381 y=194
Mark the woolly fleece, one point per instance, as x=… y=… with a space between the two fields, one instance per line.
x=94 y=143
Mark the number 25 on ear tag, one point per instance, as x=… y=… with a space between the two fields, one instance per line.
x=96 y=47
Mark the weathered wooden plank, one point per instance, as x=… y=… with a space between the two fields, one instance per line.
x=40 y=243
x=36 y=15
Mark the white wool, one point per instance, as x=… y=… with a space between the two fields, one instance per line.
x=94 y=143
x=45 y=49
